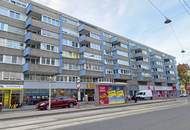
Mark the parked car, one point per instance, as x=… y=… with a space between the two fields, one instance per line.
x=144 y=94
x=58 y=102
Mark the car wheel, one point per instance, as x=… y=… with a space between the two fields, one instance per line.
x=71 y=105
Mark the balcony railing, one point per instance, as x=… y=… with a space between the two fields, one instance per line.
x=29 y=9
x=27 y=51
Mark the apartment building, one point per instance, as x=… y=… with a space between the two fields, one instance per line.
x=41 y=48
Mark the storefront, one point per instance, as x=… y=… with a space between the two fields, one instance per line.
x=11 y=95
x=111 y=94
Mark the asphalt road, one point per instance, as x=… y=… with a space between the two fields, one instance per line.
x=169 y=119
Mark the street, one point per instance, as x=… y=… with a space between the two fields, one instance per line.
x=169 y=119
x=165 y=115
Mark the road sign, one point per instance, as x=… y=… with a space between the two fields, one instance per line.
x=78 y=83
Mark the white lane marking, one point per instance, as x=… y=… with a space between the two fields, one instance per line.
x=84 y=120
x=54 y=118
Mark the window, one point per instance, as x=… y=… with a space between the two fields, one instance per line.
x=52 y=61
x=49 y=47
x=92 y=56
x=124 y=45
x=43 y=60
x=14 y=14
x=122 y=62
x=69 y=54
x=49 y=20
x=70 y=21
x=3 y=27
x=95 y=36
x=14 y=59
x=122 y=53
x=70 y=32
x=94 y=46
x=70 y=43
x=49 y=34
x=1 y=58
x=17 y=3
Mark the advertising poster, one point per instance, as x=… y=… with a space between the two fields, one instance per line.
x=103 y=95
x=120 y=98
x=116 y=95
x=112 y=95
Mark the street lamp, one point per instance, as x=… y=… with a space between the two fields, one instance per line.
x=50 y=79
x=167 y=20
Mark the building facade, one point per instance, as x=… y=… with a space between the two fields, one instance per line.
x=41 y=48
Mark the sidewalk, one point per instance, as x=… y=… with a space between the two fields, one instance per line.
x=34 y=113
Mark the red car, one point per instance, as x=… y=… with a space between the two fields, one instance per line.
x=58 y=102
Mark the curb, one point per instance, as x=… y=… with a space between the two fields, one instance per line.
x=85 y=109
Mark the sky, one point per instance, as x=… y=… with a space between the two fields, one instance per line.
x=136 y=20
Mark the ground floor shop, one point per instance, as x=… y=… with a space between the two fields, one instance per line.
x=11 y=96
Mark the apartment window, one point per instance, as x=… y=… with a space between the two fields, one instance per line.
x=92 y=56
x=52 y=61
x=95 y=46
x=70 y=32
x=49 y=34
x=69 y=54
x=70 y=21
x=124 y=45
x=3 y=27
x=122 y=53
x=14 y=14
x=14 y=59
x=1 y=58
x=70 y=43
x=17 y=3
x=48 y=61
x=122 y=62
x=43 y=60
x=49 y=47
x=95 y=36
x=51 y=21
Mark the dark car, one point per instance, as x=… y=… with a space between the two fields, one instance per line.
x=58 y=102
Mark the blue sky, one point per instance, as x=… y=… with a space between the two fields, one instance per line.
x=135 y=19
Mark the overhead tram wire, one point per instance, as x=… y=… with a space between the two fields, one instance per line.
x=184 y=6
x=160 y=12
x=167 y=21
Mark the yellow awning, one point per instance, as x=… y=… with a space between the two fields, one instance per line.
x=2 y=89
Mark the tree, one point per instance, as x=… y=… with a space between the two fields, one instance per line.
x=184 y=76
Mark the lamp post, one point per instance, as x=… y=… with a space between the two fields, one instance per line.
x=50 y=79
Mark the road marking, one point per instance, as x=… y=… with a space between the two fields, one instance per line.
x=89 y=119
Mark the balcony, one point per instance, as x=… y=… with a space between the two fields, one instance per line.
x=84 y=72
x=33 y=11
x=86 y=39
x=37 y=38
x=89 y=50
x=84 y=29
x=26 y=67
x=28 y=37
x=37 y=68
x=27 y=52
x=116 y=40
x=29 y=9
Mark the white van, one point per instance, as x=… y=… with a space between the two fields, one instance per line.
x=144 y=94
